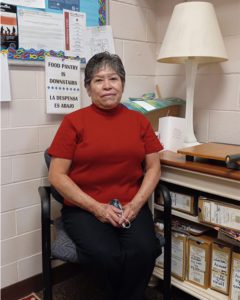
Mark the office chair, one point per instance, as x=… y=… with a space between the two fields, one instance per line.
x=63 y=248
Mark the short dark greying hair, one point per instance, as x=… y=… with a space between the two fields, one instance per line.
x=101 y=60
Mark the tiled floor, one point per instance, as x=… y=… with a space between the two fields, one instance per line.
x=81 y=288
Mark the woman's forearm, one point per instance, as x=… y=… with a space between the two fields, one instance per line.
x=150 y=180
x=105 y=213
x=149 y=183
x=70 y=191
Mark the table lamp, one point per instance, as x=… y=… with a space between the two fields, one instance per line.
x=192 y=37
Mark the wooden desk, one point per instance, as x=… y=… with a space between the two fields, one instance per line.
x=200 y=175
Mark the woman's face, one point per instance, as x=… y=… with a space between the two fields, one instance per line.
x=105 y=88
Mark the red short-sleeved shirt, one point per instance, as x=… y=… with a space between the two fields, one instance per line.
x=107 y=148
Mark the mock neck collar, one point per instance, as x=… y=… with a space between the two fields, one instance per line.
x=107 y=112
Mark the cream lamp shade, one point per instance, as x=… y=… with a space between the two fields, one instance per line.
x=193 y=32
x=192 y=37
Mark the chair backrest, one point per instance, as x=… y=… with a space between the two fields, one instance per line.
x=54 y=192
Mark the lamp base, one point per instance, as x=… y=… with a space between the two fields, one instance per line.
x=191 y=144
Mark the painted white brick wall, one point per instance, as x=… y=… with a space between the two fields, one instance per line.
x=27 y=130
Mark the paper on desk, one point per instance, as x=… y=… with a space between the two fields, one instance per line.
x=5 y=79
x=145 y=105
x=171 y=132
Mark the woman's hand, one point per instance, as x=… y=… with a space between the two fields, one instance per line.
x=107 y=213
x=151 y=178
x=130 y=211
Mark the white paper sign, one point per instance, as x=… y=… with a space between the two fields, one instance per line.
x=235 y=289
x=62 y=85
x=171 y=132
x=181 y=201
x=98 y=39
x=177 y=256
x=27 y=3
x=5 y=80
x=197 y=265
x=40 y=30
x=75 y=25
x=219 y=272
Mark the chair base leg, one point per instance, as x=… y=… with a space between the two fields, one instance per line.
x=47 y=294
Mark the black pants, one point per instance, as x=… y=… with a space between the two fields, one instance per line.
x=125 y=257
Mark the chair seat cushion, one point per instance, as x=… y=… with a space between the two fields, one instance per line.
x=63 y=247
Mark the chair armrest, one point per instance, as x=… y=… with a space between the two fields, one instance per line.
x=45 y=192
x=167 y=219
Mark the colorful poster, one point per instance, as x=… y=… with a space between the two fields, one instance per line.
x=96 y=10
x=9 y=30
x=62 y=85
x=91 y=8
x=59 y=5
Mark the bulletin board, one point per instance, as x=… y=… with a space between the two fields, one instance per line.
x=96 y=15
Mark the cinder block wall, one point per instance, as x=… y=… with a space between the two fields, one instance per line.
x=26 y=130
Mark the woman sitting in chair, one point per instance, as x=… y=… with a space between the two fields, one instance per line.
x=100 y=153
